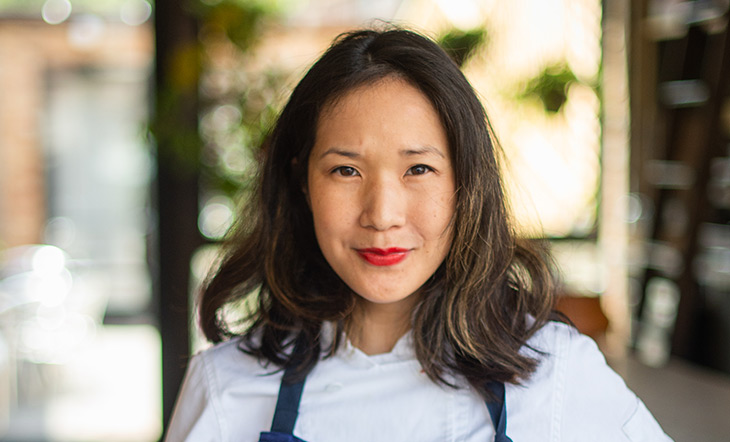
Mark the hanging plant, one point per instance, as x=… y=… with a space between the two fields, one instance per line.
x=461 y=45
x=551 y=87
x=229 y=30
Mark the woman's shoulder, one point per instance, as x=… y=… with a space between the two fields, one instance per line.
x=570 y=363
x=579 y=390
x=225 y=350
x=228 y=359
x=551 y=341
x=208 y=405
x=552 y=332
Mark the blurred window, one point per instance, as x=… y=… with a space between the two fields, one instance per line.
x=79 y=349
x=98 y=170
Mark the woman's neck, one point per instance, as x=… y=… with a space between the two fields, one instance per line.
x=376 y=328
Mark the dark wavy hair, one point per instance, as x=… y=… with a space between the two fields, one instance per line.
x=492 y=292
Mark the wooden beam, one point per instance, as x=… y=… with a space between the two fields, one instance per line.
x=175 y=129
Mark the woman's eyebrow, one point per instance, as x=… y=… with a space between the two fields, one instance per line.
x=339 y=151
x=422 y=150
x=408 y=152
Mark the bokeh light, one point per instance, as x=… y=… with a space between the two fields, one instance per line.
x=135 y=12
x=56 y=11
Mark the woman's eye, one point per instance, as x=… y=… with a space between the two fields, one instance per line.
x=419 y=169
x=345 y=171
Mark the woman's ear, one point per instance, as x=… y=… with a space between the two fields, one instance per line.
x=306 y=195
x=303 y=181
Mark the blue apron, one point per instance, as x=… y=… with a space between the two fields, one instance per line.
x=290 y=394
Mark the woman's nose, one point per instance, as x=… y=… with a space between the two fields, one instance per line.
x=383 y=205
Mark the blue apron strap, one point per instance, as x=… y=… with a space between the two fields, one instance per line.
x=498 y=411
x=286 y=412
x=287 y=405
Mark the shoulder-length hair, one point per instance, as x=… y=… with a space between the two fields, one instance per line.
x=491 y=293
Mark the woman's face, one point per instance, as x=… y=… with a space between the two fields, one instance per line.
x=381 y=189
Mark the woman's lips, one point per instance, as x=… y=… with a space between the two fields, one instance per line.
x=383 y=257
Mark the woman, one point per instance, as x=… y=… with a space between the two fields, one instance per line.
x=388 y=284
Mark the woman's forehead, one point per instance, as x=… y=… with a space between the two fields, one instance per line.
x=392 y=112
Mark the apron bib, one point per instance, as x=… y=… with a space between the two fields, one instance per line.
x=290 y=395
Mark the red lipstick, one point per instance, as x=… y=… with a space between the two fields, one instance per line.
x=383 y=257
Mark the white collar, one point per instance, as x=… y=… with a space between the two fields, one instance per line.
x=401 y=352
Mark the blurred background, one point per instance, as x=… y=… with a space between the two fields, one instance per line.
x=128 y=136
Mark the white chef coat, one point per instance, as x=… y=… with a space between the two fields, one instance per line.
x=228 y=395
